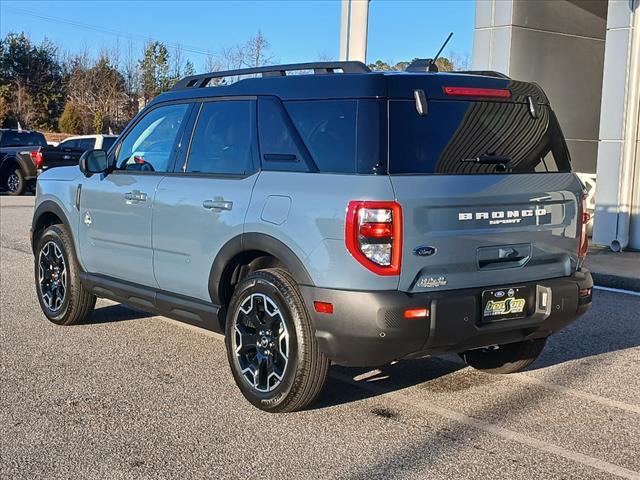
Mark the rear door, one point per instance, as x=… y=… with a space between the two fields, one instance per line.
x=202 y=205
x=486 y=191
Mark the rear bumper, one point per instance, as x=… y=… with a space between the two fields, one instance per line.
x=369 y=328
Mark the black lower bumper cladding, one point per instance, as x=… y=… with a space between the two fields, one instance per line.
x=369 y=328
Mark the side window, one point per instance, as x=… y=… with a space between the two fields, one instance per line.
x=223 y=138
x=107 y=142
x=86 y=144
x=328 y=128
x=68 y=144
x=149 y=145
x=280 y=147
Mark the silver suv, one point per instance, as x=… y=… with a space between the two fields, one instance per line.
x=335 y=215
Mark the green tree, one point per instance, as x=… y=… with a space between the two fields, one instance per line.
x=154 y=67
x=443 y=63
x=98 y=122
x=71 y=119
x=33 y=74
x=4 y=110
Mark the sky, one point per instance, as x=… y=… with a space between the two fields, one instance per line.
x=298 y=31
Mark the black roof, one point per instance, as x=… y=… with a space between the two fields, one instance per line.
x=339 y=80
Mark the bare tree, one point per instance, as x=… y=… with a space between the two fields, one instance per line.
x=257 y=51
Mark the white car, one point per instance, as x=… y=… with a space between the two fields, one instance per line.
x=88 y=142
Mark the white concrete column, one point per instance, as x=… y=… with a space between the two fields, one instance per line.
x=617 y=220
x=353 y=34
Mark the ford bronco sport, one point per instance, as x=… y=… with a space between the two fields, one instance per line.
x=335 y=215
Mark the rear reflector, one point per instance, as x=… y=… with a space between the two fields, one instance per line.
x=585 y=292
x=323 y=307
x=412 y=313
x=477 y=92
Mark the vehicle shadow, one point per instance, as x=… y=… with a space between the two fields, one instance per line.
x=598 y=332
x=113 y=314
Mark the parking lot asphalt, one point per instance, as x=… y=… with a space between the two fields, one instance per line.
x=133 y=396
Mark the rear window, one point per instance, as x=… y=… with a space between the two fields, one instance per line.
x=454 y=134
x=20 y=139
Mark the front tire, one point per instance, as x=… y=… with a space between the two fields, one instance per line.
x=508 y=358
x=63 y=299
x=271 y=347
x=15 y=183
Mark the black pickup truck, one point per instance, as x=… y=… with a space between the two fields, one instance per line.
x=24 y=154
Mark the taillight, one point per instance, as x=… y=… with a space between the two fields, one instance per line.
x=477 y=92
x=584 y=218
x=37 y=157
x=374 y=235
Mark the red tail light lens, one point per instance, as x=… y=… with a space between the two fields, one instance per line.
x=584 y=220
x=374 y=235
x=477 y=92
x=37 y=157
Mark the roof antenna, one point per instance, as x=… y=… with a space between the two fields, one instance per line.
x=432 y=67
x=427 y=64
x=19 y=127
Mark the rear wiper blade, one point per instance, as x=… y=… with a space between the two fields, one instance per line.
x=488 y=160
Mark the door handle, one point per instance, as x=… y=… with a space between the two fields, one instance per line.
x=217 y=205
x=135 y=196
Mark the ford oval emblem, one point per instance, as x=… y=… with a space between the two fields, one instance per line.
x=424 y=251
x=499 y=294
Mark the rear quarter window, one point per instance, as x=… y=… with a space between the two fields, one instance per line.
x=453 y=133
x=342 y=136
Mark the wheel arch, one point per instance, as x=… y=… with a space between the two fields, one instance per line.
x=256 y=251
x=46 y=214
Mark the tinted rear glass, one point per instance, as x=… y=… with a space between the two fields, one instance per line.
x=342 y=136
x=19 y=139
x=223 y=138
x=453 y=134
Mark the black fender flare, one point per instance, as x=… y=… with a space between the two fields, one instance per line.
x=28 y=168
x=254 y=242
x=48 y=206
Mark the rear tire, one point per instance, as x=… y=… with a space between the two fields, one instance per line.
x=63 y=299
x=508 y=358
x=14 y=182
x=271 y=347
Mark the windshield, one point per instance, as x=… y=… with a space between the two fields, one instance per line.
x=460 y=137
x=20 y=139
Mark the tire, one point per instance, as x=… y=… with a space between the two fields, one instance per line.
x=509 y=358
x=14 y=182
x=63 y=299
x=281 y=370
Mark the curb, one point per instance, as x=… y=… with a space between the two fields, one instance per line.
x=616 y=281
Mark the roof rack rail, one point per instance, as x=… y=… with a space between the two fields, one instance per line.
x=485 y=73
x=198 y=81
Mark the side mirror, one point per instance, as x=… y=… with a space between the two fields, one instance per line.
x=93 y=161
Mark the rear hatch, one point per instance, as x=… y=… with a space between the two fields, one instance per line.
x=485 y=185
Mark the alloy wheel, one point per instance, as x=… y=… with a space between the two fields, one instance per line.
x=261 y=342
x=13 y=182
x=52 y=276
